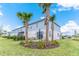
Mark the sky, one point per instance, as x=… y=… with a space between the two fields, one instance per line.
x=66 y=13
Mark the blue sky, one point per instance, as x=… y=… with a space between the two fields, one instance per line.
x=8 y=13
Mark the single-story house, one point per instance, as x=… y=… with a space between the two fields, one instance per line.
x=37 y=30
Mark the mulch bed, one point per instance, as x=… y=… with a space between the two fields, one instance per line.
x=34 y=45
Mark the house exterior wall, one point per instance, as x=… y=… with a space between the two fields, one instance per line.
x=36 y=27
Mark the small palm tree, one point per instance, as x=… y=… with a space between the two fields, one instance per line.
x=25 y=17
x=46 y=7
x=52 y=18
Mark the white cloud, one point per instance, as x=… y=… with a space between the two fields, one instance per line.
x=6 y=28
x=69 y=3
x=66 y=5
x=1 y=14
x=42 y=17
x=18 y=26
x=77 y=7
x=64 y=9
x=70 y=27
x=54 y=10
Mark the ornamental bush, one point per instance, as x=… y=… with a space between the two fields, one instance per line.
x=16 y=38
x=41 y=45
x=54 y=42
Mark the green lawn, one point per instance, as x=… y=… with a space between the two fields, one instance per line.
x=67 y=48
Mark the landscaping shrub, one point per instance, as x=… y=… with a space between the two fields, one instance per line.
x=63 y=37
x=22 y=38
x=30 y=43
x=76 y=39
x=22 y=43
x=41 y=45
x=54 y=42
x=8 y=37
x=16 y=38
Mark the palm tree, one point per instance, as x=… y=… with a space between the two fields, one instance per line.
x=46 y=7
x=52 y=18
x=25 y=17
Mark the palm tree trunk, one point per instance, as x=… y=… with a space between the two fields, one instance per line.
x=26 y=32
x=52 y=27
x=47 y=26
x=47 y=32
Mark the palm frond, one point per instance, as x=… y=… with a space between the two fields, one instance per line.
x=52 y=18
x=25 y=17
x=19 y=14
x=45 y=6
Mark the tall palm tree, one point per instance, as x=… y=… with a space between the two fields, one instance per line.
x=25 y=17
x=52 y=18
x=46 y=8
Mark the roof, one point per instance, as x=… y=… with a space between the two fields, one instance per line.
x=35 y=23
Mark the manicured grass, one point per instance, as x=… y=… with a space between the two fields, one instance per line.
x=67 y=47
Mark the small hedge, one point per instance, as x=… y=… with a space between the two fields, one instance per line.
x=76 y=39
x=20 y=38
x=14 y=37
